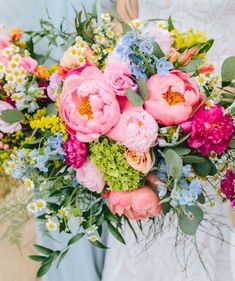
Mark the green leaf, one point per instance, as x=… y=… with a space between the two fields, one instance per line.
x=51 y=109
x=166 y=207
x=206 y=46
x=174 y=164
x=142 y=86
x=11 y=116
x=193 y=159
x=176 y=143
x=126 y=28
x=98 y=244
x=53 y=206
x=204 y=169
x=116 y=233
x=61 y=257
x=44 y=268
x=38 y=258
x=232 y=144
x=134 y=98
x=43 y=250
x=228 y=69
x=180 y=150
x=201 y=199
x=192 y=65
x=170 y=24
x=157 y=51
x=190 y=221
x=75 y=238
x=76 y=212
x=110 y=216
x=94 y=9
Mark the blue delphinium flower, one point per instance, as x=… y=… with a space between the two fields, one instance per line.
x=21 y=154
x=54 y=146
x=163 y=66
x=162 y=190
x=16 y=173
x=187 y=171
x=138 y=71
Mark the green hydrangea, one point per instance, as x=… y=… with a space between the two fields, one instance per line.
x=109 y=158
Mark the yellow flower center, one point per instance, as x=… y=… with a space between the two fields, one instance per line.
x=173 y=98
x=85 y=108
x=39 y=204
x=27 y=183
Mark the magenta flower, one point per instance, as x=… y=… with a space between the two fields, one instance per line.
x=211 y=130
x=75 y=152
x=228 y=186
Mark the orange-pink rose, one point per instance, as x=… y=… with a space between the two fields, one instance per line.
x=139 y=204
x=88 y=105
x=172 y=99
x=141 y=161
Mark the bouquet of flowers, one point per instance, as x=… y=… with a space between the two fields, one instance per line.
x=126 y=127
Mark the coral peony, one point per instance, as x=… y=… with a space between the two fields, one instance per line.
x=141 y=203
x=142 y=162
x=118 y=76
x=172 y=99
x=137 y=130
x=75 y=152
x=89 y=176
x=228 y=186
x=5 y=127
x=210 y=129
x=29 y=64
x=88 y=105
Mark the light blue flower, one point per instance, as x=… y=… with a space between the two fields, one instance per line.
x=138 y=71
x=146 y=47
x=16 y=173
x=129 y=38
x=162 y=190
x=187 y=171
x=163 y=66
x=21 y=154
x=41 y=163
x=123 y=51
x=33 y=154
x=187 y=197
x=195 y=187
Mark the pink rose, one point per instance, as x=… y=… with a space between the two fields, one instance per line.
x=139 y=204
x=172 y=99
x=5 y=127
x=88 y=105
x=29 y=64
x=89 y=176
x=118 y=76
x=161 y=36
x=210 y=129
x=137 y=130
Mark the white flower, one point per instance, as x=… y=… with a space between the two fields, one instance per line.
x=7 y=52
x=161 y=24
x=16 y=59
x=81 y=60
x=96 y=48
x=40 y=204
x=201 y=79
x=81 y=220
x=92 y=229
x=92 y=238
x=52 y=224
x=99 y=38
x=163 y=130
x=31 y=208
x=136 y=23
x=29 y=184
x=63 y=212
x=105 y=17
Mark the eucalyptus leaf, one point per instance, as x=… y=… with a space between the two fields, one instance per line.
x=201 y=199
x=11 y=116
x=190 y=221
x=192 y=65
x=180 y=150
x=126 y=27
x=228 y=69
x=134 y=98
x=174 y=164
x=205 y=168
x=143 y=89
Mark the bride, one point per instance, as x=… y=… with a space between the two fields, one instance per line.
x=161 y=261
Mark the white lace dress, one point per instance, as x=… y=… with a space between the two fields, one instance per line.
x=160 y=262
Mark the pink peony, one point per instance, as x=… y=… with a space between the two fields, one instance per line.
x=228 y=186
x=75 y=152
x=161 y=36
x=29 y=64
x=139 y=204
x=88 y=105
x=89 y=176
x=211 y=130
x=137 y=130
x=5 y=127
x=172 y=99
x=117 y=75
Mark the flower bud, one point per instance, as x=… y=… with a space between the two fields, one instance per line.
x=173 y=56
x=185 y=58
x=16 y=33
x=206 y=68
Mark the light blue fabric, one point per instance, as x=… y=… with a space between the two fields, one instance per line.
x=84 y=262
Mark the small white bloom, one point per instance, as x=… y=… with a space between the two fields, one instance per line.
x=29 y=184
x=81 y=220
x=161 y=142
x=31 y=208
x=7 y=52
x=105 y=17
x=92 y=238
x=96 y=48
x=81 y=60
x=92 y=229
x=99 y=38
x=136 y=23
x=40 y=204
x=52 y=224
